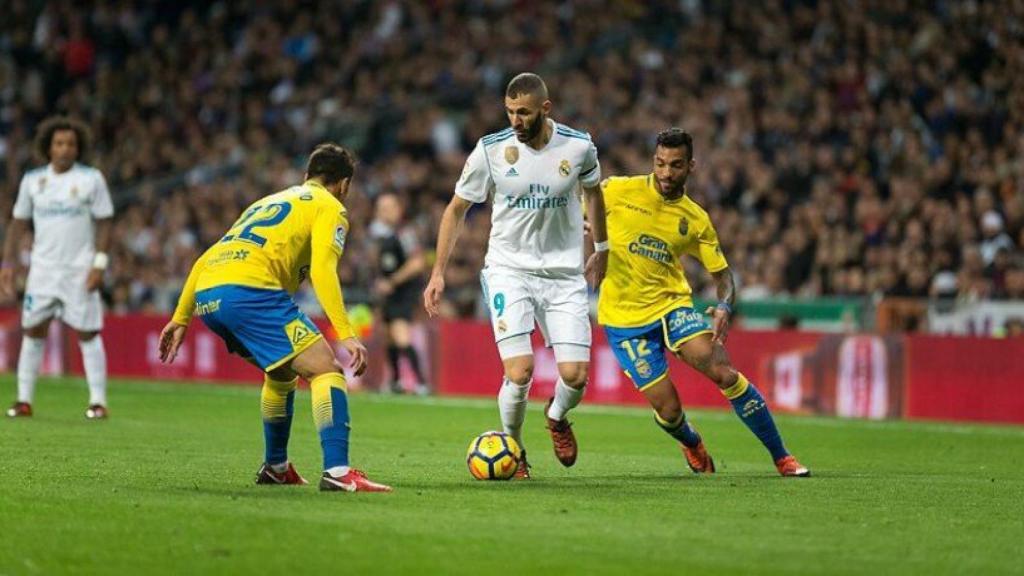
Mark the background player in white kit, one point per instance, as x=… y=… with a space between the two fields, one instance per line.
x=533 y=271
x=70 y=207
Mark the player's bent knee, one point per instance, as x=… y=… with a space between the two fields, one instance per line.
x=316 y=360
x=725 y=376
x=574 y=374
x=520 y=374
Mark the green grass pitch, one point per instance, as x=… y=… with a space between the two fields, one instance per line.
x=166 y=487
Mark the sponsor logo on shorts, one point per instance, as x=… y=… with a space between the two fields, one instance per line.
x=298 y=333
x=204 y=308
x=643 y=368
x=502 y=327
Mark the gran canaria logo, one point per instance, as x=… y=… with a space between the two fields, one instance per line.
x=651 y=247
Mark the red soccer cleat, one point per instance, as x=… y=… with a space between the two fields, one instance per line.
x=562 y=438
x=523 y=471
x=266 y=475
x=788 y=466
x=698 y=459
x=354 y=481
x=96 y=412
x=19 y=410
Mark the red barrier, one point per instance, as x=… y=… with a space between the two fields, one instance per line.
x=965 y=378
x=850 y=375
x=870 y=376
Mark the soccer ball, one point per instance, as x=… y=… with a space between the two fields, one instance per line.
x=493 y=456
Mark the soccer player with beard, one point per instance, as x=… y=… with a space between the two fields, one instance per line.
x=533 y=270
x=646 y=306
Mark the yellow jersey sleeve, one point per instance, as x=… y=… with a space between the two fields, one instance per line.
x=187 y=300
x=330 y=229
x=708 y=250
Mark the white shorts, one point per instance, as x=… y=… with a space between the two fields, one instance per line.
x=61 y=294
x=518 y=300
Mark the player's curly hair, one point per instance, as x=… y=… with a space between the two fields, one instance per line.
x=47 y=128
x=330 y=163
x=676 y=137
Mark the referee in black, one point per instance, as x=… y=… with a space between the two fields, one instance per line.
x=400 y=268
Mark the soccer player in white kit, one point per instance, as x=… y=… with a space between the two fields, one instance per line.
x=71 y=210
x=533 y=271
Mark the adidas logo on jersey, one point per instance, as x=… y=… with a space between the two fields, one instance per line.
x=511 y=172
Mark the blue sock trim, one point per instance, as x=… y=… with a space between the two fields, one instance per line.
x=276 y=434
x=753 y=411
x=334 y=438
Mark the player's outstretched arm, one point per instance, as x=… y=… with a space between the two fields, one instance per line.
x=725 y=287
x=451 y=225
x=15 y=232
x=597 y=264
x=328 y=244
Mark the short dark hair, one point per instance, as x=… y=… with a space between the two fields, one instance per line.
x=676 y=137
x=527 y=83
x=330 y=163
x=47 y=128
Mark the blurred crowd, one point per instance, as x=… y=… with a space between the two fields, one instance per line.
x=856 y=148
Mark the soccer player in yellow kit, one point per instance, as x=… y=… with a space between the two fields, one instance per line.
x=242 y=287
x=646 y=306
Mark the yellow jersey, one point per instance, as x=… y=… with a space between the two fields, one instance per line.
x=647 y=236
x=276 y=243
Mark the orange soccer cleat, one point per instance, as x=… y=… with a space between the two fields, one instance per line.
x=354 y=481
x=562 y=438
x=266 y=475
x=788 y=466
x=698 y=459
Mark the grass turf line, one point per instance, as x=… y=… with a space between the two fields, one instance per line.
x=166 y=486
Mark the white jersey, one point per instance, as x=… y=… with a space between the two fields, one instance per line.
x=63 y=207
x=536 y=220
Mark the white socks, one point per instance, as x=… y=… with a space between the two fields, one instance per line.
x=30 y=359
x=512 y=407
x=337 y=471
x=94 y=358
x=566 y=398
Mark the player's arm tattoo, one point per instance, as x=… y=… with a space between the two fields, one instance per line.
x=725 y=287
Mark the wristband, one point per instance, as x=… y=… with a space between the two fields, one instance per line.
x=601 y=246
x=100 y=261
x=725 y=306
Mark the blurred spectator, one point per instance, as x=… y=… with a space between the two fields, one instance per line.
x=855 y=149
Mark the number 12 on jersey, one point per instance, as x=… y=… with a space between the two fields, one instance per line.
x=269 y=215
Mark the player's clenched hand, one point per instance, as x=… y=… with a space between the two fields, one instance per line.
x=719 y=323
x=171 y=338
x=432 y=295
x=357 y=353
x=94 y=281
x=597 y=264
